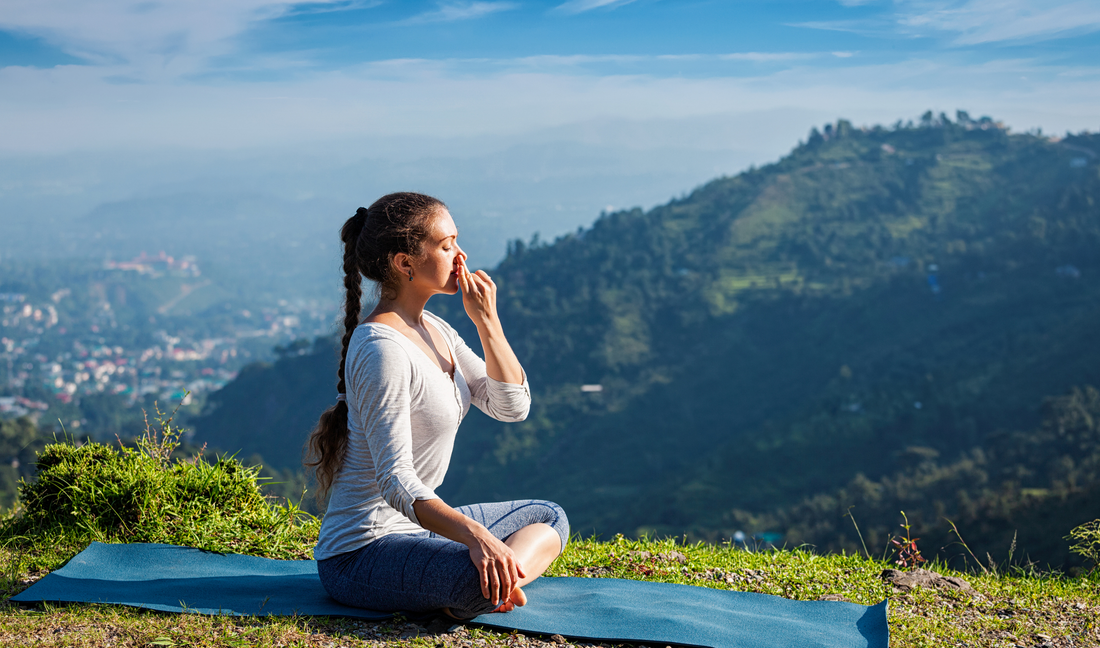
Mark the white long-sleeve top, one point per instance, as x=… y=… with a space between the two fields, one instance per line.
x=403 y=414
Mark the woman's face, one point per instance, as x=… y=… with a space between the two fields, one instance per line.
x=441 y=257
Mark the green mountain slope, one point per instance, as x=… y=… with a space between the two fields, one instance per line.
x=773 y=334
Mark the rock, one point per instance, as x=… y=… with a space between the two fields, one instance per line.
x=557 y=639
x=672 y=556
x=907 y=580
x=639 y=555
x=835 y=597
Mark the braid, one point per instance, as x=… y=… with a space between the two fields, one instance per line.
x=353 y=283
x=328 y=443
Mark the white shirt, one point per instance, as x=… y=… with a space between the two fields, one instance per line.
x=403 y=414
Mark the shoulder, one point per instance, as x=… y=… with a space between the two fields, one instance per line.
x=377 y=345
x=444 y=328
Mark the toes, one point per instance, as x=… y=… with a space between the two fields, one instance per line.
x=518 y=597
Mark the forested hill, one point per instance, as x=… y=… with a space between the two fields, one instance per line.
x=877 y=302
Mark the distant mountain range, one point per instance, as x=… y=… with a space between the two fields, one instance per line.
x=878 y=302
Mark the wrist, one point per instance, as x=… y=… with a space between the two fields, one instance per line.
x=489 y=326
x=474 y=534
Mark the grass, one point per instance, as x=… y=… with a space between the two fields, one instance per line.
x=93 y=493
x=1016 y=609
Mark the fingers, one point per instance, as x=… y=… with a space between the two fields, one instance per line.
x=480 y=283
x=494 y=585
x=510 y=579
x=499 y=577
x=483 y=571
x=476 y=280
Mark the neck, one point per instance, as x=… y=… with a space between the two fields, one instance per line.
x=408 y=307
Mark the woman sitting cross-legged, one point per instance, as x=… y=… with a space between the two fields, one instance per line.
x=406 y=379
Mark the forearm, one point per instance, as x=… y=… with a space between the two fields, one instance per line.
x=501 y=363
x=435 y=516
x=498 y=569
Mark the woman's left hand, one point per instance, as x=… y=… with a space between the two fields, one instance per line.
x=479 y=295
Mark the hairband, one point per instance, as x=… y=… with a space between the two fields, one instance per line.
x=341 y=397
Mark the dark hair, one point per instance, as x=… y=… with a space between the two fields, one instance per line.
x=395 y=223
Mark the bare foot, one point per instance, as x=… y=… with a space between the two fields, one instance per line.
x=516 y=599
x=448 y=612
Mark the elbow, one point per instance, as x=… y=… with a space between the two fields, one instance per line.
x=397 y=497
x=514 y=414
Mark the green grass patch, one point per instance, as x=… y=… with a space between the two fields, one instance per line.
x=1015 y=609
x=96 y=492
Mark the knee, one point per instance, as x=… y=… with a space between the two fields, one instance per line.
x=555 y=517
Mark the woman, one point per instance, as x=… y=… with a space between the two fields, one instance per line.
x=406 y=379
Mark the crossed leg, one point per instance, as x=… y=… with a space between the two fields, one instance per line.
x=535 y=545
x=420 y=573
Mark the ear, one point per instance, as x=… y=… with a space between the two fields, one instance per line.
x=402 y=263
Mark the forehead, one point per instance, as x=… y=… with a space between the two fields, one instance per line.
x=444 y=225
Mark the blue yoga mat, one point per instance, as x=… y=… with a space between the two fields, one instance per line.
x=182 y=579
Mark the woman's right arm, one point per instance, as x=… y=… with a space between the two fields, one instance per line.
x=495 y=561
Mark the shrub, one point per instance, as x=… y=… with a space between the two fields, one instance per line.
x=1086 y=541
x=97 y=492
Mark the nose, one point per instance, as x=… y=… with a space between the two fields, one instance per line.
x=461 y=254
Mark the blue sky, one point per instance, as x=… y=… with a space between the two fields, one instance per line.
x=546 y=112
x=206 y=66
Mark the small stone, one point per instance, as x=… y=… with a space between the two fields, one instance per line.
x=834 y=597
x=639 y=555
x=672 y=556
x=557 y=639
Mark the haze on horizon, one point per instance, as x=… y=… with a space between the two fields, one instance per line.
x=283 y=117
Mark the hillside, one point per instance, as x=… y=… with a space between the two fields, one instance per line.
x=874 y=298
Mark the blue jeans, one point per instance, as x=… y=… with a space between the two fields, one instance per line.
x=422 y=572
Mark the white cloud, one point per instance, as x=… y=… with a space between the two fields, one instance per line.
x=864 y=27
x=989 y=21
x=766 y=57
x=160 y=39
x=330 y=6
x=452 y=11
x=580 y=6
x=975 y=22
x=549 y=61
x=77 y=108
